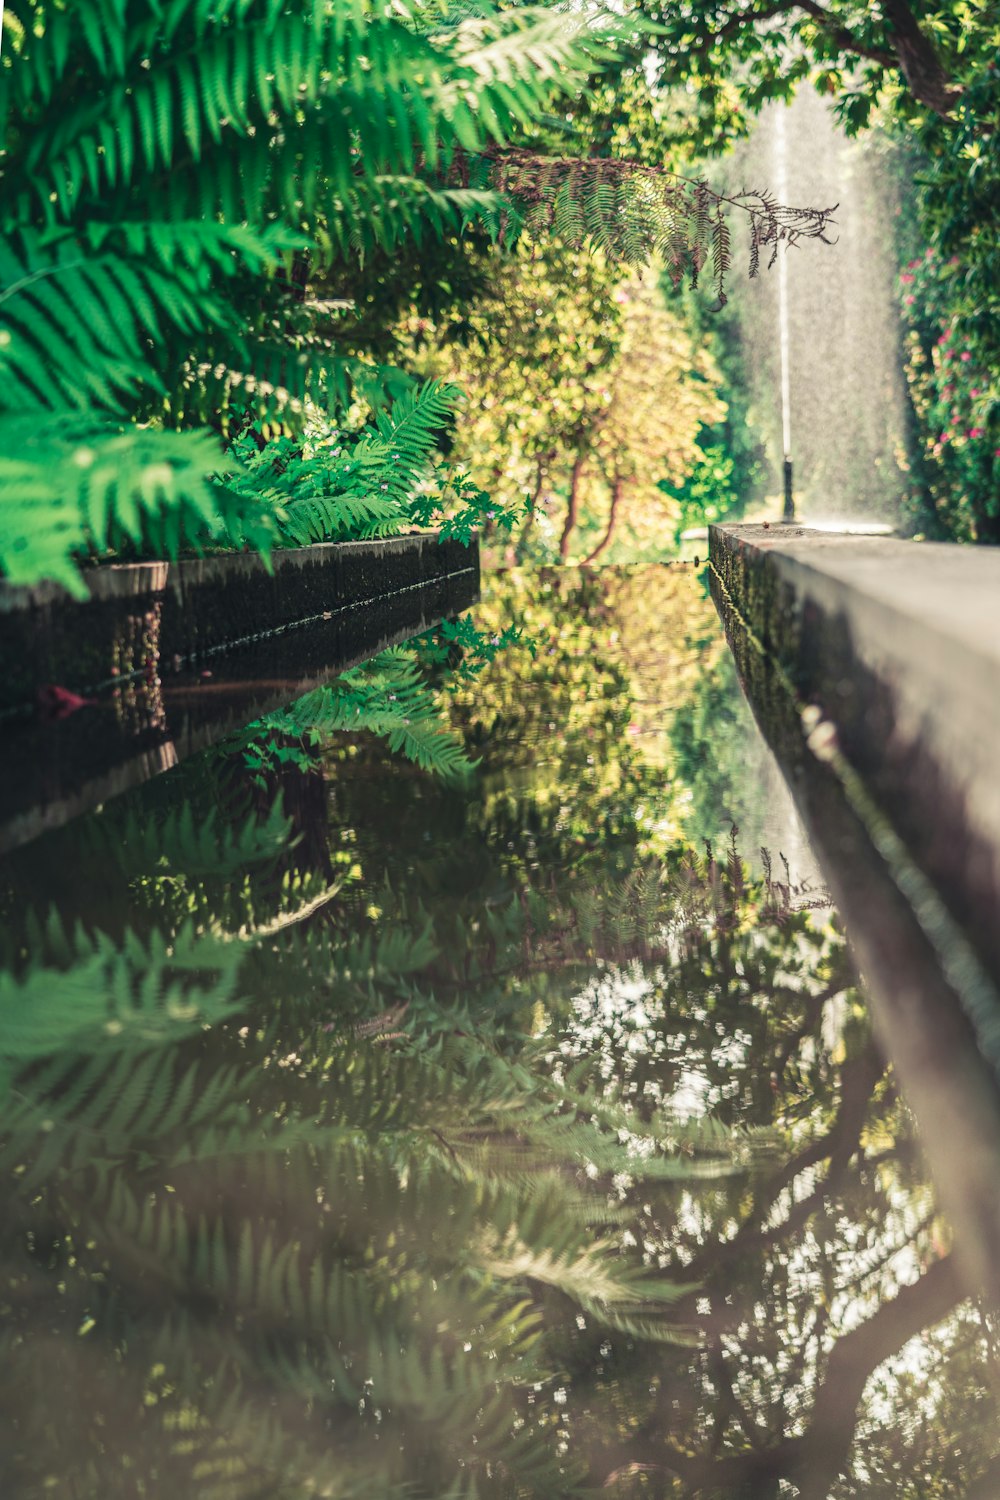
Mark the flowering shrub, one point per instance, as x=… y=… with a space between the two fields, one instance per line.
x=957 y=406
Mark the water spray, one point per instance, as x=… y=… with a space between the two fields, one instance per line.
x=781 y=190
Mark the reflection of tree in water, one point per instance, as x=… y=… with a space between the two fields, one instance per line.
x=812 y=1271
x=711 y=745
x=503 y=1092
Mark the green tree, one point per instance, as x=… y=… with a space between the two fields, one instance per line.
x=587 y=390
x=537 y=356
x=158 y=247
x=739 y=55
x=663 y=391
x=166 y=251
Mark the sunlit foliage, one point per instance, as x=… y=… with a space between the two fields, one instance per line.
x=588 y=390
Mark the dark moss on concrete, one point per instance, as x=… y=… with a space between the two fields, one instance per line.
x=869 y=675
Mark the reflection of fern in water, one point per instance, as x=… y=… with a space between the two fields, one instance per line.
x=281 y=1256
x=388 y=696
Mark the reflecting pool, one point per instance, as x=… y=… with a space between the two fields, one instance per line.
x=377 y=1126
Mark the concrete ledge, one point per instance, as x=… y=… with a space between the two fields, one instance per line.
x=873 y=668
x=898 y=645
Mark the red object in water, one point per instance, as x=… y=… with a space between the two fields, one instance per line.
x=57 y=702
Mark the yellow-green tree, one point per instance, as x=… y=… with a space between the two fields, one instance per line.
x=536 y=355
x=587 y=389
x=663 y=391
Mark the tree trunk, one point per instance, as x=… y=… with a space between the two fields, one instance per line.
x=572 y=505
x=921 y=66
x=617 y=491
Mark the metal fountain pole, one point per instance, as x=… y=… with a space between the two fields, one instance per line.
x=781 y=190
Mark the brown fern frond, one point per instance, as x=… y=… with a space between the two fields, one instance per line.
x=754 y=267
x=721 y=253
x=607 y=202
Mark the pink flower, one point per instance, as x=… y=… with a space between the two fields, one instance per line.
x=975 y=432
x=909 y=301
x=974 y=391
x=906 y=278
x=965 y=356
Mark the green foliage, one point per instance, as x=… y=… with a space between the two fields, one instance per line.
x=73 y=483
x=179 y=844
x=634 y=213
x=465 y=649
x=926 y=74
x=948 y=296
x=99 y=997
x=707 y=493
x=590 y=388
x=734 y=57
x=157 y=248
x=955 y=404
x=187 y=253
x=389 y=697
x=337 y=483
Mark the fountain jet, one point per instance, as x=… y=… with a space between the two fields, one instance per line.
x=781 y=189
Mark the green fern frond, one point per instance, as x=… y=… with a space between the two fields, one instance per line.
x=409 y=429
x=628 y=210
x=73 y=484
x=334 y=484
x=226 y=76
x=388 y=697
x=183 y=844
x=330 y=518
x=75 y=322
x=392 y=209
x=588 y=1273
x=197 y=242
x=119 y=997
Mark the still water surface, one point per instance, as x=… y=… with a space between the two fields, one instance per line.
x=369 y=1133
